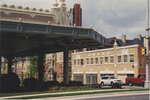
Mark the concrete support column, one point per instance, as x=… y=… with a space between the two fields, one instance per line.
x=0 y=64
x=66 y=67
x=0 y=71
x=9 y=70
x=0 y=60
x=40 y=69
x=0 y=55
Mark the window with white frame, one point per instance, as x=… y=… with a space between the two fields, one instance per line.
x=82 y=62
x=78 y=61
x=96 y=60
x=92 y=60
x=78 y=77
x=101 y=60
x=111 y=59
x=53 y=63
x=87 y=60
x=132 y=58
x=74 y=61
x=60 y=75
x=106 y=59
x=91 y=78
x=119 y=59
x=125 y=58
x=61 y=66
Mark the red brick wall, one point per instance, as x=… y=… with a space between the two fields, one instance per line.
x=142 y=61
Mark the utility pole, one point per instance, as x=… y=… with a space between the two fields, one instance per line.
x=147 y=46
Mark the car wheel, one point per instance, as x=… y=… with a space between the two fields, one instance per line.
x=130 y=83
x=102 y=83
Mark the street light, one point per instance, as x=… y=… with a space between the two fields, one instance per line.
x=147 y=45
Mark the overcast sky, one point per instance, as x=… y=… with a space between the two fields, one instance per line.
x=112 y=18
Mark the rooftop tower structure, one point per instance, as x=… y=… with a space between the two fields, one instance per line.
x=77 y=15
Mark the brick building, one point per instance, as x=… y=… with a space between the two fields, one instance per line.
x=122 y=58
x=54 y=66
x=21 y=66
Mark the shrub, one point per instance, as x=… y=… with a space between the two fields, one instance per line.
x=72 y=83
x=63 y=84
x=75 y=83
x=49 y=84
x=30 y=84
x=95 y=86
x=10 y=82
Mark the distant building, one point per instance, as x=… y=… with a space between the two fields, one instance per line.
x=76 y=15
x=121 y=58
x=21 y=66
x=50 y=62
x=54 y=66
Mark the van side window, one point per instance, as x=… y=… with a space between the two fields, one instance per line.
x=104 y=77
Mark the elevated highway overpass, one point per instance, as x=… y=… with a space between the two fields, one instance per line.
x=18 y=39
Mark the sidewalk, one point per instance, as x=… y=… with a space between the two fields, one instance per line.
x=58 y=94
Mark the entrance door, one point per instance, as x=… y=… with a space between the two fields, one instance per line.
x=91 y=79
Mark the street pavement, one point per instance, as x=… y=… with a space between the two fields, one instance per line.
x=92 y=96
x=136 y=95
x=133 y=97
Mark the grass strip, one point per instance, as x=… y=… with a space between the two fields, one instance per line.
x=73 y=94
x=41 y=92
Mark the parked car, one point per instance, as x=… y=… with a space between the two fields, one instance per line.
x=140 y=80
x=109 y=80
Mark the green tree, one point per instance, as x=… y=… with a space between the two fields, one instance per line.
x=33 y=69
x=5 y=68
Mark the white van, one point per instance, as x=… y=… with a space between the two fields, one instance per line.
x=109 y=80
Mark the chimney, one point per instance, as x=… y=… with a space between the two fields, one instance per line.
x=123 y=38
x=115 y=42
x=138 y=36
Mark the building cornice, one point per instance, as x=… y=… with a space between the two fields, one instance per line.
x=99 y=50
x=125 y=47
x=25 y=10
x=102 y=50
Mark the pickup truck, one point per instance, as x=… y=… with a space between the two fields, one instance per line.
x=136 y=81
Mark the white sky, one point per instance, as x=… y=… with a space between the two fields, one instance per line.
x=110 y=17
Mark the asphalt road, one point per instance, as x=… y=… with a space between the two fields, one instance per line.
x=133 y=97
x=140 y=95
